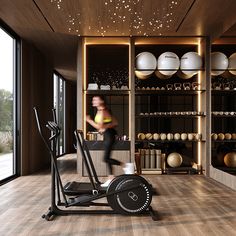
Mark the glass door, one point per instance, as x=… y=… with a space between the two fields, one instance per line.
x=7 y=100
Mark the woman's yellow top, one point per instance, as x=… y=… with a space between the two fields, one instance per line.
x=98 y=119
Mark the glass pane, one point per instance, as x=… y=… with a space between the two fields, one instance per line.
x=59 y=103
x=55 y=79
x=61 y=114
x=6 y=105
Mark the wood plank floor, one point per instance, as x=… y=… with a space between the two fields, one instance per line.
x=187 y=205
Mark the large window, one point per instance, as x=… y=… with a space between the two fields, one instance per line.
x=59 y=105
x=7 y=106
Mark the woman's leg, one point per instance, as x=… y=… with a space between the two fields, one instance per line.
x=109 y=139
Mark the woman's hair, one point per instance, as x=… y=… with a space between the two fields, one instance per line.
x=102 y=97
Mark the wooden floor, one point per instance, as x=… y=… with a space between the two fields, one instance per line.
x=187 y=205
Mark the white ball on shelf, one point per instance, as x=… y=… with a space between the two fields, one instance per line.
x=174 y=159
x=170 y=136
x=145 y=65
x=219 y=63
x=163 y=136
x=184 y=136
x=141 y=136
x=190 y=63
x=177 y=136
x=168 y=63
x=156 y=136
x=148 y=136
x=232 y=64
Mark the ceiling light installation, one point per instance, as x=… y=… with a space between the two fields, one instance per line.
x=58 y=3
x=119 y=17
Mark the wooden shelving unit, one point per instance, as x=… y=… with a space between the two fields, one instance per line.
x=164 y=101
x=106 y=62
x=223 y=101
x=193 y=100
x=202 y=99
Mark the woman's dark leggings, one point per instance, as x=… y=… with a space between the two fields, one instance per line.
x=109 y=140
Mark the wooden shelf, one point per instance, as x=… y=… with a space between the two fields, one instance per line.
x=223 y=92
x=107 y=92
x=169 y=116
x=223 y=116
x=181 y=170
x=169 y=141
x=231 y=170
x=99 y=145
x=167 y=92
x=148 y=69
x=224 y=141
x=152 y=171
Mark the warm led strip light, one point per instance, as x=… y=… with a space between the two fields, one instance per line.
x=199 y=109
x=84 y=87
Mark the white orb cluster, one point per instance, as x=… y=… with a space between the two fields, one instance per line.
x=167 y=64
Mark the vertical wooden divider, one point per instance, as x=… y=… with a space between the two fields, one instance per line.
x=132 y=98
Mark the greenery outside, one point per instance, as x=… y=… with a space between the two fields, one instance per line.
x=6 y=121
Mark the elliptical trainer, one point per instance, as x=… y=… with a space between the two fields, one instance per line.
x=126 y=194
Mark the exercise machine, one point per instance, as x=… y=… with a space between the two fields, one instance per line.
x=126 y=194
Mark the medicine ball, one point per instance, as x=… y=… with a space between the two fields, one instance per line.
x=230 y=159
x=174 y=159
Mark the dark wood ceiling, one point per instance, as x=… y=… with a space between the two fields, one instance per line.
x=54 y=25
x=231 y=32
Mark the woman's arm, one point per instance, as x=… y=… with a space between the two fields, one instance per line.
x=97 y=126
x=101 y=127
x=113 y=124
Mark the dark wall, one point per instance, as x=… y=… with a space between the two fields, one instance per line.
x=70 y=116
x=37 y=90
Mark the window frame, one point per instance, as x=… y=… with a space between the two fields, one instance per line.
x=16 y=103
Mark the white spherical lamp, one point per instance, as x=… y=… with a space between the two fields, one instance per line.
x=190 y=63
x=232 y=64
x=145 y=65
x=219 y=63
x=168 y=63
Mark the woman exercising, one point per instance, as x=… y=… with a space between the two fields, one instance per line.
x=105 y=123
